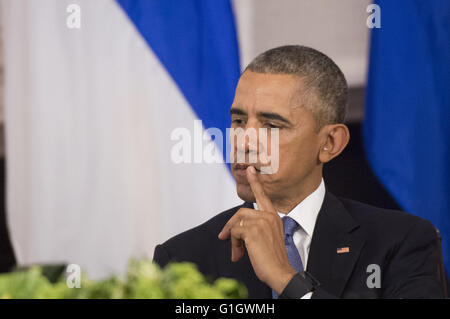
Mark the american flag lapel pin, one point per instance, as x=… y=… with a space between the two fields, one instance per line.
x=343 y=250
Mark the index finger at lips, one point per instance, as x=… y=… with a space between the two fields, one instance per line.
x=264 y=203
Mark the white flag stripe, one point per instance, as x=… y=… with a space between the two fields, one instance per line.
x=89 y=114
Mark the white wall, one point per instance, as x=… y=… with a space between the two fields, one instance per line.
x=337 y=28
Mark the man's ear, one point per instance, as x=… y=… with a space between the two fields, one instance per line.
x=334 y=138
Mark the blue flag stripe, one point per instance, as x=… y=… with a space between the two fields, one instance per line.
x=196 y=42
x=406 y=134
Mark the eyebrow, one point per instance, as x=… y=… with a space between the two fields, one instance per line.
x=267 y=115
x=274 y=116
x=237 y=111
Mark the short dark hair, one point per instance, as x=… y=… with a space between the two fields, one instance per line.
x=322 y=76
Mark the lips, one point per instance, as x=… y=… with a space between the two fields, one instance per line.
x=241 y=169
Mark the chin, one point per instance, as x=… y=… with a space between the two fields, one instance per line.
x=245 y=193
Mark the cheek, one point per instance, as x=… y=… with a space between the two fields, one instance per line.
x=297 y=157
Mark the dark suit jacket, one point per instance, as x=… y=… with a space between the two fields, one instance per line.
x=401 y=244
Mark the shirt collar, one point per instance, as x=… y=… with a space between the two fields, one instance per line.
x=305 y=213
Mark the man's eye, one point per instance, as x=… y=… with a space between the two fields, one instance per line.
x=271 y=125
x=237 y=121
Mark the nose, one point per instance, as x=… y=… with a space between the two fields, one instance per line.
x=247 y=144
x=248 y=141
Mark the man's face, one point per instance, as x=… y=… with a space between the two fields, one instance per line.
x=273 y=101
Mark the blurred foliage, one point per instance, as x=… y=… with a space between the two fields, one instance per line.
x=143 y=280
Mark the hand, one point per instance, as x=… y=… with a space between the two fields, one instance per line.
x=261 y=231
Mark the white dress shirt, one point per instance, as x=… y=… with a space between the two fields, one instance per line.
x=305 y=214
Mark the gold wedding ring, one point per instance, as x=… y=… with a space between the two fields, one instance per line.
x=241 y=223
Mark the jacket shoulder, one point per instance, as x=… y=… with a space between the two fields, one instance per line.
x=365 y=211
x=194 y=244
x=386 y=221
x=211 y=227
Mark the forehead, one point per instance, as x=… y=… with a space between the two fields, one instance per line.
x=268 y=92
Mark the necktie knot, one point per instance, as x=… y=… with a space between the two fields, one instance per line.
x=289 y=225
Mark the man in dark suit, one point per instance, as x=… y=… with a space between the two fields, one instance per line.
x=300 y=241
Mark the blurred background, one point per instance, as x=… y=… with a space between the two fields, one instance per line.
x=90 y=94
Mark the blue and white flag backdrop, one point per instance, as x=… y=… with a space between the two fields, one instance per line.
x=89 y=117
x=407 y=135
x=90 y=113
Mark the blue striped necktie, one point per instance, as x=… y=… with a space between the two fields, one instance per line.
x=290 y=226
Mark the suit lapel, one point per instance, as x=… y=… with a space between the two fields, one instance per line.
x=335 y=230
